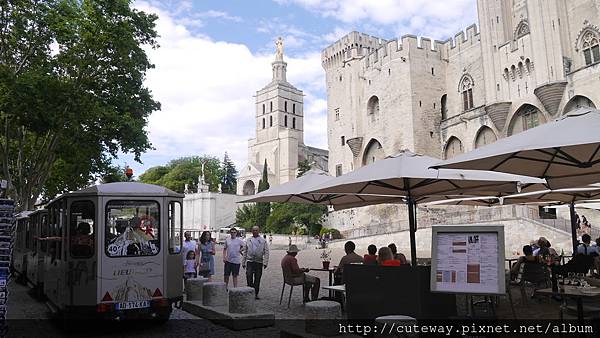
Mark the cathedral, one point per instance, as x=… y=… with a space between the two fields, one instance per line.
x=529 y=62
x=279 y=140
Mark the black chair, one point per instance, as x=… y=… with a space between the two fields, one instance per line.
x=292 y=281
x=534 y=275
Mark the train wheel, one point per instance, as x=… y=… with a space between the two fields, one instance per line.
x=163 y=316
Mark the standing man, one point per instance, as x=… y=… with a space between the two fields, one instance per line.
x=232 y=256
x=256 y=256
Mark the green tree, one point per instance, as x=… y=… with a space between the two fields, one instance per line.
x=263 y=209
x=285 y=216
x=229 y=181
x=185 y=170
x=71 y=91
x=303 y=167
x=245 y=216
x=113 y=173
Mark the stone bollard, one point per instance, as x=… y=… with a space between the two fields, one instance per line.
x=323 y=317
x=193 y=288
x=397 y=321
x=214 y=294
x=241 y=300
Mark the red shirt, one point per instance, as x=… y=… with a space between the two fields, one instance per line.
x=368 y=259
x=390 y=262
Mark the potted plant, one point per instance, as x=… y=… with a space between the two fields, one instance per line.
x=326 y=258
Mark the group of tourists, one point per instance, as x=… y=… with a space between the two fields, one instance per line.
x=251 y=254
x=587 y=257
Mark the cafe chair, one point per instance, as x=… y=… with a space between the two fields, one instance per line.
x=532 y=275
x=292 y=281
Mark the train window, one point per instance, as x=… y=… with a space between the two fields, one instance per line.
x=82 y=229
x=132 y=228
x=44 y=234
x=27 y=232
x=175 y=223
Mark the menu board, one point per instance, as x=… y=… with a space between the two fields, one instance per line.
x=468 y=259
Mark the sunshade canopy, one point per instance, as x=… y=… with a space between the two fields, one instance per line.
x=298 y=191
x=408 y=174
x=566 y=152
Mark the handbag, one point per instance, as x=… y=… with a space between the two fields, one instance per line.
x=204 y=266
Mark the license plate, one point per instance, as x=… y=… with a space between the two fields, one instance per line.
x=133 y=305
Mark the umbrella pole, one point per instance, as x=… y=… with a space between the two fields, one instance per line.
x=573 y=227
x=412 y=227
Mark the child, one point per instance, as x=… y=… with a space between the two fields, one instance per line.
x=190 y=265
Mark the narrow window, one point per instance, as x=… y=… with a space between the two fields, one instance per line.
x=443 y=109
x=343 y=139
x=293 y=108
x=337 y=114
x=263 y=123
x=294 y=123
x=263 y=108
x=285 y=106
x=338 y=170
x=271 y=105
x=270 y=121
x=285 y=121
x=432 y=71
x=467 y=92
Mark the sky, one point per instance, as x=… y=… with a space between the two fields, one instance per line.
x=215 y=54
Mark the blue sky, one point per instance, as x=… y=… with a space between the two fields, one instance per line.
x=215 y=55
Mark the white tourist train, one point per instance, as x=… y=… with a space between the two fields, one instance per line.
x=109 y=251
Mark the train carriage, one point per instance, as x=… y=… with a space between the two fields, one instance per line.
x=38 y=222
x=113 y=250
x=22 y=245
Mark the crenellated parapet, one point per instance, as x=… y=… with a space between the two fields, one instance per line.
x=354 y=45
x=375 y=52
x=462 y=41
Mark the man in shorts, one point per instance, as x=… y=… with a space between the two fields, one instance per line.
x=232 y=257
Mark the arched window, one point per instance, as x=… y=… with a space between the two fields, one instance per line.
x=526 y=117
x=453 y=148
x=249 y=188
x=506 y=76
x=444 y=108
x=513 y=72
x=485 y=135
x=285 y=121
x=263 y=123
x=466 y=88
x=270 y=121
x=373 y=152
x=591 y=48
x=373 y=105
x=285 y=106
x=294 y=123
x=271 y=103
x=521 y=69
x=528 y=66
x=578 y=101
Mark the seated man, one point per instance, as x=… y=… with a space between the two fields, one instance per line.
x=371 y=257
x=351 y=257
x=585 y=247
x=528 y=257
x=290 y=264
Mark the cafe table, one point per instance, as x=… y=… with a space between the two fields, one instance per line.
x=574 y=292
x=330 y=270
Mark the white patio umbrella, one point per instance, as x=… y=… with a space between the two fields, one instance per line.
x=298 y=191
x=408 y=175
x=545 y=197
x=565 y=152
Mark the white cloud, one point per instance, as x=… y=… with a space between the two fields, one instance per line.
x=435 y=18
x=206 y=90
x=220 y=15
